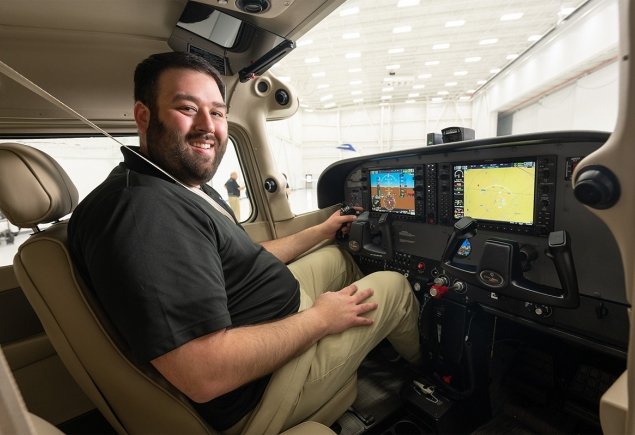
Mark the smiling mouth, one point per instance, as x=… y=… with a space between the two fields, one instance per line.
x=201 y=145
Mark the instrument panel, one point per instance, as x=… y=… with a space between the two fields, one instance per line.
x=491 y=223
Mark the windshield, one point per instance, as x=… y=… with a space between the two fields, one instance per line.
x=375 y=77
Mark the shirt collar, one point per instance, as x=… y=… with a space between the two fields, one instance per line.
x=136 y=161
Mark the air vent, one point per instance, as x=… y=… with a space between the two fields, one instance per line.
x=253 y=6
x=217 y=62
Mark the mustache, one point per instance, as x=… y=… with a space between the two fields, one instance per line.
x=201 y=136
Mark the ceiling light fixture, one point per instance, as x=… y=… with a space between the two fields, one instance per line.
x=564 y=12
x=441 y=46
x=402 y=29
x=396 y=50
x=455 y=23
x=350 y=35
x=393 y=67
x=473 y=59
x=304 y=42
x=353 y=55
x=349 y=11
x=511 y=17
x=312 y=60
x=488 y=41
x=460 y=73
x=432 y=62
x=408 y=3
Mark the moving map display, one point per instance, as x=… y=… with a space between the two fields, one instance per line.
x=500 y=192
x=392 y=190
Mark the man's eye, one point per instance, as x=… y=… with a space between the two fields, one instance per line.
x=218 y=114
x=188 y=109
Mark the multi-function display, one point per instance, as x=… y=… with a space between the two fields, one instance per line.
x=501 y=192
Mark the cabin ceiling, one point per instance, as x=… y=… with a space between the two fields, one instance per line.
x=392 y=67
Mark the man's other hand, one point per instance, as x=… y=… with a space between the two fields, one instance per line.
x=344 y=309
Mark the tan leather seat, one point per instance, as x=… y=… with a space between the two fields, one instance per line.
x=35 y=190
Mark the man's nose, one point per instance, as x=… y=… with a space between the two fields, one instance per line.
x=205 y=122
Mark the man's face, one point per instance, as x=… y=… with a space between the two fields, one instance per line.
x=187 y=133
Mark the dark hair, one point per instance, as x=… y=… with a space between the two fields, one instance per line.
x=146 y=75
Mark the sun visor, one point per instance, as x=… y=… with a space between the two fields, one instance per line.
x=232 y=45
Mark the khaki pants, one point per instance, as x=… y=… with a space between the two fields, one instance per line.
x=234 y=203
x=304 y=384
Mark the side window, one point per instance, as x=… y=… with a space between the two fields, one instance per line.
x=10 y=239
x=229 y=181
x=87 y=160
x=300 y=168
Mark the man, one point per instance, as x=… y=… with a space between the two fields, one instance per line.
x=220 y=317
x=233 y=194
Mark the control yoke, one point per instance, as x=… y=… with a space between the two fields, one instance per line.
x=500 y=268
x=370 y=238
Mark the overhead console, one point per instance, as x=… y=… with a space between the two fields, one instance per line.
x=226 y=40
x=492 y=223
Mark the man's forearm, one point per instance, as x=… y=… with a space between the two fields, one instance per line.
x=289 y=247
x=217 y=363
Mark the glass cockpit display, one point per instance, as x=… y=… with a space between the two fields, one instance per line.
x=495 y=191
x=393 y=190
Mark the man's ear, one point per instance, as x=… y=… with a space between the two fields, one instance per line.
x=141 y=117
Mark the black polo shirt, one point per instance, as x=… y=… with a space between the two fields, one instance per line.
x=168 y=268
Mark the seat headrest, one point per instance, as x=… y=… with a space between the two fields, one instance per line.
x=34 y=189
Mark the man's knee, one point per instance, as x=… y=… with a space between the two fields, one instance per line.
x=391 y=289
x=388 y=280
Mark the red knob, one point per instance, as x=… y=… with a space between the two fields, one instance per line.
x=437 y=291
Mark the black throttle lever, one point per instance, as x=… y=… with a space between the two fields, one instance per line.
x=559 y=250
x=386 y=234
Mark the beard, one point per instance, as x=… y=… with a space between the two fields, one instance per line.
x=169 y=149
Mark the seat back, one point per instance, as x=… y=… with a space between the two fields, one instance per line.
x=35 y=190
